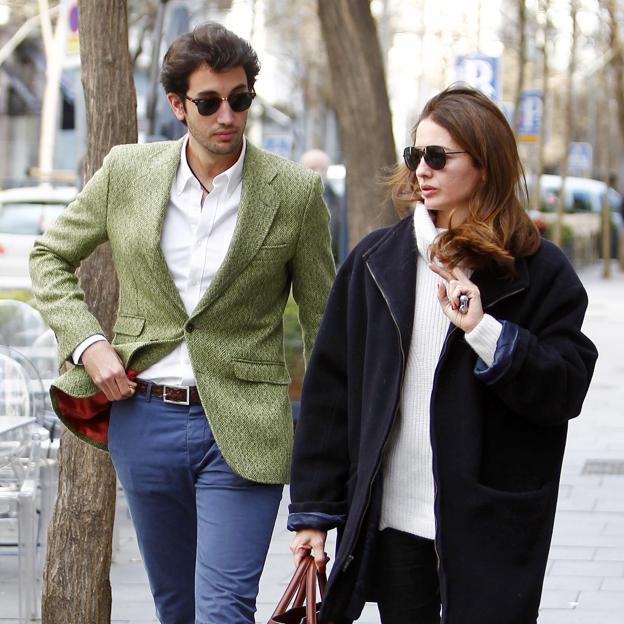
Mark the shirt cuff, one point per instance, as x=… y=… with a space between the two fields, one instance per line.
x=82 y=347
x=484 y=338
x=314 y=520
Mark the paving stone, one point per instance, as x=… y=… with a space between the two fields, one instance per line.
x=575 y=553
x=613 y=584
x=587 y=568
x=616 y=506
x=559 y=598
x=572 y=582
x=578 y=616
x=602 y=600
x=609 y=554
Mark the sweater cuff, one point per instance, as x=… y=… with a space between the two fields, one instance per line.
x=314 y=520
x=484 y=337
x=503 y=358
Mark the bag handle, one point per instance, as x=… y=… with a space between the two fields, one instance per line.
x=311 y=594
x=296 y=585
x=302 y=587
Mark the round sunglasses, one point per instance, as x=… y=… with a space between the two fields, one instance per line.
x=238 y=102
x=434 y=155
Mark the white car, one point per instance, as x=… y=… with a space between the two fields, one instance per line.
x=581 y=195
x=583 y=204
x=25 y=213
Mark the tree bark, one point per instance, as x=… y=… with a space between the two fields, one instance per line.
x=537 y=197
x=617 y=62
x=362 y=108
x=76 y=586
x=522 y=63
x=569 y=123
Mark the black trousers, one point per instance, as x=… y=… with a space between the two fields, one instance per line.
x=406 y=579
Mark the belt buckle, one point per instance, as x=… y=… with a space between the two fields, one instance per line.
x=180 y=402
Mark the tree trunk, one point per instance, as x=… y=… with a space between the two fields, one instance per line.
x=76 y=586
x=361 y=103
x=522 y=63
x=537 y=197
x=617 y=62
x=567 y=132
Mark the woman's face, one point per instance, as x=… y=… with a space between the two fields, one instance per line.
x=451 y=188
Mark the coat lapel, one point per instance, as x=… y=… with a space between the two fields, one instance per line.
x=154 y=189
x=494 y=287
x=393 y=264
x=258 y=206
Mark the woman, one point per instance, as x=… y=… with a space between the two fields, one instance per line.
x=432 y=428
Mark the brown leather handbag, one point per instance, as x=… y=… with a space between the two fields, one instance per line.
x=301 y=591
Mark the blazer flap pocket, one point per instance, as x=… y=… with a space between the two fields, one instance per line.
x=268 y=372
x=273 y=253
x=129 y=325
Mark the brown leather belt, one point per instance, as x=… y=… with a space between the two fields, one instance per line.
x=181 y=395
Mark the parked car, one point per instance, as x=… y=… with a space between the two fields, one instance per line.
x=581 y=195
x=25 y=213
x=583 y=204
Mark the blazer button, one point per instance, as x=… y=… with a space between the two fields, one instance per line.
x=190 y=327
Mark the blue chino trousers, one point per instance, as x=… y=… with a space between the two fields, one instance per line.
x=203 y=531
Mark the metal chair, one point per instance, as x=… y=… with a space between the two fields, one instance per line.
x=20 y=450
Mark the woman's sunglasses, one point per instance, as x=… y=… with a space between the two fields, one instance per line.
x=238 y=102
x=434 y=155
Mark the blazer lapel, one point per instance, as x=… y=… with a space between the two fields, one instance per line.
x=153 y=190
x=256 y=212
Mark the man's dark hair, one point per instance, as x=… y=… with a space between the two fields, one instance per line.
x=209 y=44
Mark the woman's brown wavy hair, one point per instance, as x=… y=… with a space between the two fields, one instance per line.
x=498 y=228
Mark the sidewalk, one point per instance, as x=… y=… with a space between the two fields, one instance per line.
x=585 y=574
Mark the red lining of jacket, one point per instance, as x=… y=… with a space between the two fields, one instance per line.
x=87 y=416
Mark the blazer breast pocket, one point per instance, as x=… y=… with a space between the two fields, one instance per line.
x=272 y=253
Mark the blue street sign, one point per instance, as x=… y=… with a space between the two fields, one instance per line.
x=279 y=144
x=531 y=107
x=481 y=72
x=580 y=159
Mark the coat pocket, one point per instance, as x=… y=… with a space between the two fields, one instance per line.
x=129 y=325
x=267 y=372
x=511 y=522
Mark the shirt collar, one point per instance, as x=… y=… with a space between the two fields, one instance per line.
x=230 y=178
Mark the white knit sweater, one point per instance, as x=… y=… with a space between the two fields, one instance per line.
x=408 y=488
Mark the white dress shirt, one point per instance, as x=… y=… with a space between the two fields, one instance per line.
x=195 y=239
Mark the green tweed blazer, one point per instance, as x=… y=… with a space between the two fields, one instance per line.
x=235 y=334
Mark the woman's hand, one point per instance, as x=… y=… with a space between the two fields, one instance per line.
x=307 y=540
x=457 y=284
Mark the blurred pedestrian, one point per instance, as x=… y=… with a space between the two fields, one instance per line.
x=209 y=234
x=435 y=407
x=319 y=161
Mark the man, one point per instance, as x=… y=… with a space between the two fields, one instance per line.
x=208 y=235
x=319 y=161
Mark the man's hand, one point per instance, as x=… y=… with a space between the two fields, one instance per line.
x=307 y=540
x=107 y=372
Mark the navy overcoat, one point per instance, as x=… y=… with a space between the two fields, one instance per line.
x=497 y=436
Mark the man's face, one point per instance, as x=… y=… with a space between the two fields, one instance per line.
x=219 y=134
